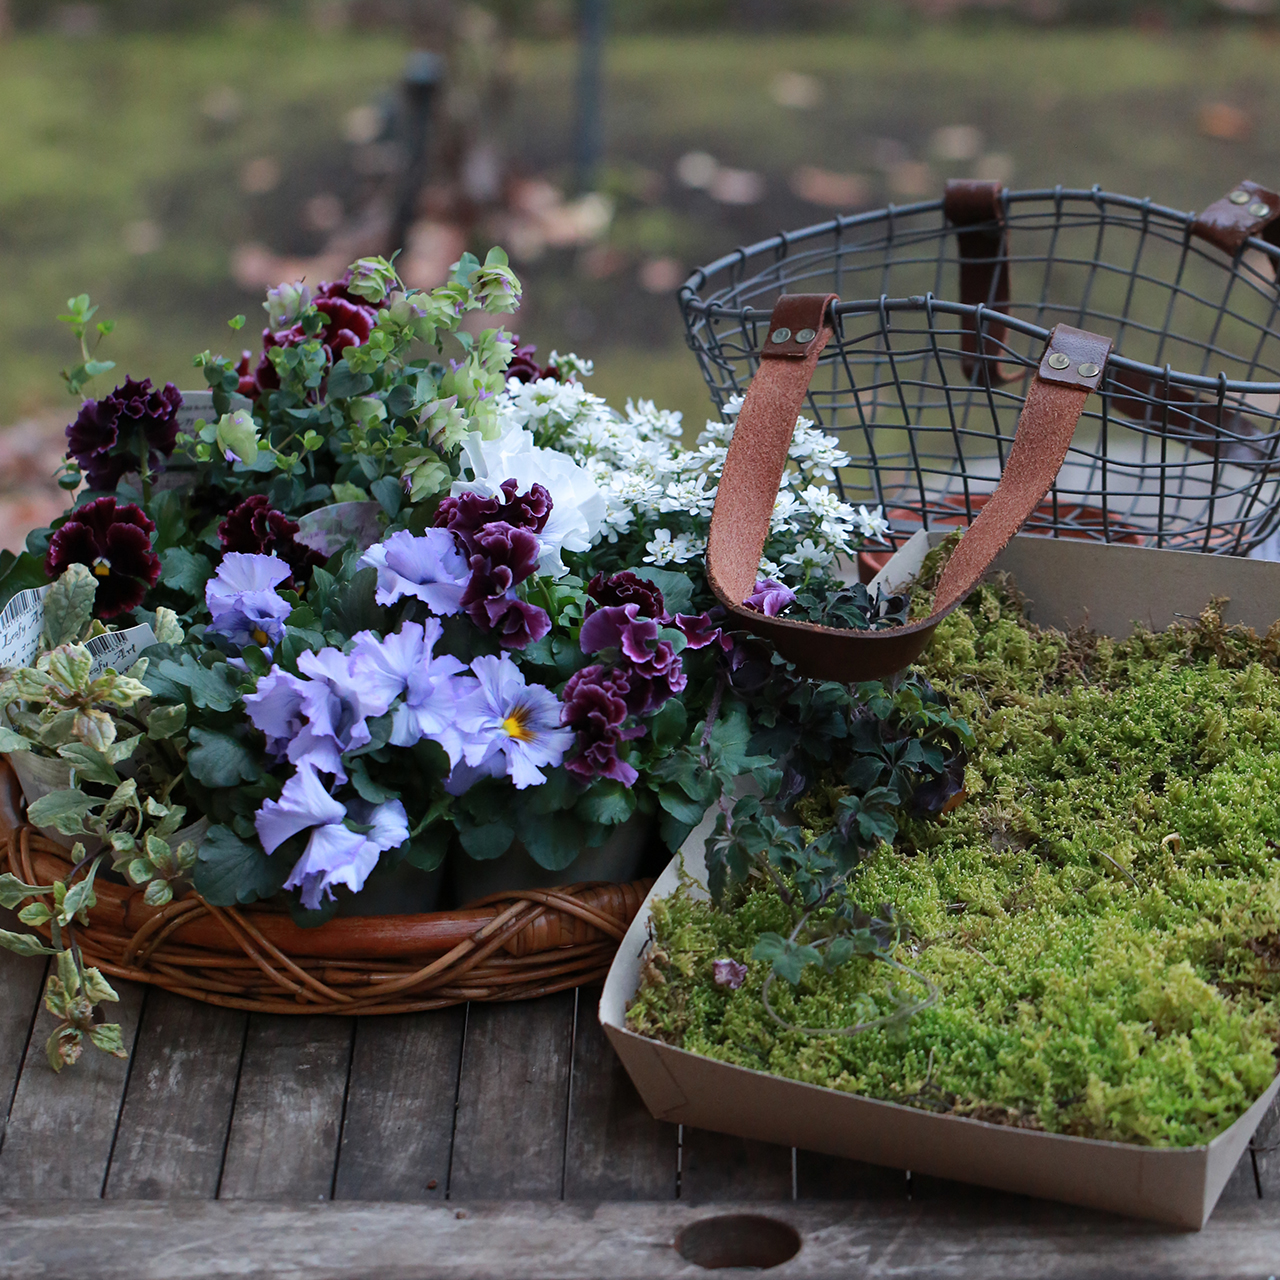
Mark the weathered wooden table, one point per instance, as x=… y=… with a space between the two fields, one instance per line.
x=493 y=1140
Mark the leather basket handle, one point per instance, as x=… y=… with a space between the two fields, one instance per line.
x=976 y=210
x=1246 y=210
x=801 y=326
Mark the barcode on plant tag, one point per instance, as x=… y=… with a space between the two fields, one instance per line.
x=199 y=404
x=119 y=649
x=21 y=623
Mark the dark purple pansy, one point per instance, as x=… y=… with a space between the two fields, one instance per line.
x=524 y=368
x=115 y=543
x=654 y=669
x=626 y=588
x=515 y=623
x=110 y=435
x=596 y=708
x=468 y=513
x=770 y=597
x=255 y=529
x=349 y=321
x=700 y=630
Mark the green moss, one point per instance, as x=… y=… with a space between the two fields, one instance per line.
x=1101 y=914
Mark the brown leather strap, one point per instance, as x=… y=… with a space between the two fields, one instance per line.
x=1071 y=368
x=1246 y=210
x=978 y=207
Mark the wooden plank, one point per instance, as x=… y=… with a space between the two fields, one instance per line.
x=287 y=1121
x=177 y=1111
x=398 y=1133
x=21 y=985
x=615 y=1150
x=574 y=1241
x=718 y=1166
x=513 y=1100
x=57 y=1144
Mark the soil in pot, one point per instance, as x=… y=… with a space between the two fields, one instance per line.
x=620 y=859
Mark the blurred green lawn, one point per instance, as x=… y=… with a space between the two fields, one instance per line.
x=99 y=134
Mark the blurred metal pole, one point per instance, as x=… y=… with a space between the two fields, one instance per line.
x=589 y=132
x=422 y=76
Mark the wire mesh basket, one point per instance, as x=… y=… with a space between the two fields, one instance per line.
x=945 y=310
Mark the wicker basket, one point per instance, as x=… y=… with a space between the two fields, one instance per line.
x=508 y=946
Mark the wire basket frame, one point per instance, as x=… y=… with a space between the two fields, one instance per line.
x=1179 y=449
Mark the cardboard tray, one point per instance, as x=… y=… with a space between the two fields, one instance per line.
x=1069 y=583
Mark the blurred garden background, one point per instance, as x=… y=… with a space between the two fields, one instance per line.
x=173 y=158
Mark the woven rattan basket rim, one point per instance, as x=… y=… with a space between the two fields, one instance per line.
x=508 y=946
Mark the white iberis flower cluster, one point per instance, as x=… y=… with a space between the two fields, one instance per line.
x=660 y=494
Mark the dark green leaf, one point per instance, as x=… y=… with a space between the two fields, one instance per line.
x=607 y=801
x=491 y=840
x=390 y=493
x=185 y=570
x=680 y=806
x=667 y=729
x=231 y=870
x=676 y=588
x=219 y=760
x=344 y=382
x=556 y=840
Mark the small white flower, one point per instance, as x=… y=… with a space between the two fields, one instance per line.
x=808 y=555
x=733 y=404
x=769 y=570
x=689 y=496
x=785 y=508
x=715 y=432
x=872 y=523
x=663 y=549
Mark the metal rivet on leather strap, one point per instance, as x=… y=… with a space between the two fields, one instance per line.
x=1260 y=210
x=806 y=335
x=1239 y=197
x=780 y=335
x=1059 y=361
x=1086 y=370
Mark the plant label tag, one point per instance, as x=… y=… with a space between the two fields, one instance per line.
x=119 y=649
x=199 y=404
x=21 y=623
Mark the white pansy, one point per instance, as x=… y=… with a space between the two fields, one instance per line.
x=578 y=508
